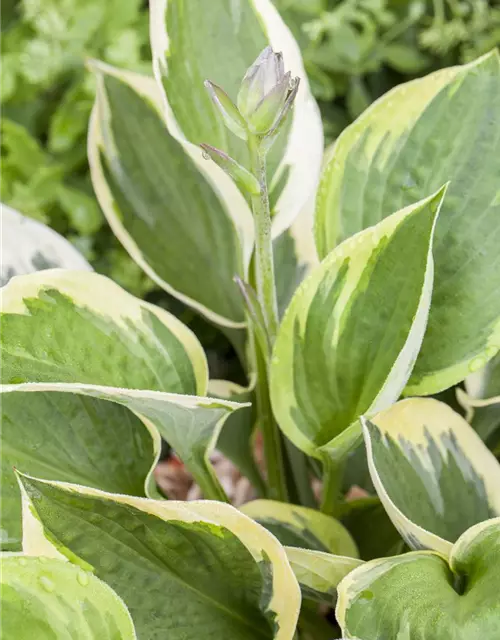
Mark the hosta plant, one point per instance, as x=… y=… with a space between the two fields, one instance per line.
x=209 y=175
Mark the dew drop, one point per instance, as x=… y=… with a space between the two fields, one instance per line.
x=205 y=155
x=23 y=562
x=82 y=578
x=47 y=584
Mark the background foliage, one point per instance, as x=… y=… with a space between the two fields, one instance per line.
x=354 y=50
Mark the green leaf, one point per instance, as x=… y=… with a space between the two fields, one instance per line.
x=82 y=210
x=159 y=200
x=371 y=528
x=128 y=351
x=420 y=135
x=49 y=599
x=195 y=41
x=185 y=570
x=432 y=472
x=319 y=573
x=353 y=330
x=302 y=527
x=420 y=596
x=28 y=245
x=62 y=436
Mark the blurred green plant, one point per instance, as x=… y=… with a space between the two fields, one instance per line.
x=46 y=100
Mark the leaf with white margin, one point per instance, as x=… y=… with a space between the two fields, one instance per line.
x=431 y=471
x=159 y=205
x=422 y=596
x=218 y=41
x=68 y=437
x=28 y=245
x=319 y=573
x=416 y=137
x=49 y=599
x=353 y=330
x=184 y=569
x=81 y=333
x=297 y=526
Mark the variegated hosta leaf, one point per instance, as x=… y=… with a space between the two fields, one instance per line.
x=353 y=330
x=319 y=573
x=185 y=570
x=218 y=40
x=166 y=214
x=432 y=472
x=28 y=245
x=80 y=333
x=302 y=527
x=417 y=137
x=421 y=596
x=63 y=436
x=49 y=599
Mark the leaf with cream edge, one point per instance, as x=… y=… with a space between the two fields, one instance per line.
x=69 y=437
x=128 y=351
x=353 y=330
x=320 y=573
x=49 y=599
x=419 y=135
x=28 y=245
x=296 y=526
x=184 y=569
x=218 y=41
x=169 y=217
x=431 y=471
x=422 y=596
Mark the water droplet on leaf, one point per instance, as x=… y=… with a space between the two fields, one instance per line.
x=46 y=584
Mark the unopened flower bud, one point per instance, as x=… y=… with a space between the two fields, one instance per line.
x=228 y=110
x=243 y=178
x=264 y=91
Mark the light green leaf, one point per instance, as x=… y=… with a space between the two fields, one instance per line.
x=49 y=599
x=218 y=41
x=28 y=245
x=420 y=135
x=353 y=330
x=62 y=436
x=302 y=527
x=185 y=570
x=160 y=205
x=319 y=573
x=419 y=596
x=432 y=472
x=128 y=351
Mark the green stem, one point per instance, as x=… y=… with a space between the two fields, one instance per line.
x=263 y=276
x=209 y=484
x=332 y=481
x=264 y=261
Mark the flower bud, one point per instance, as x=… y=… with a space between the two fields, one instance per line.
x=264 y=91
x=243 y=178
x=228 y=110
